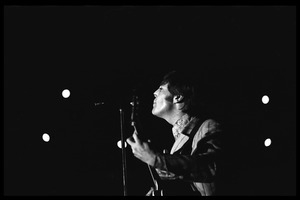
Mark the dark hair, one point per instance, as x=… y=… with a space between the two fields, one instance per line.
x=185 y=84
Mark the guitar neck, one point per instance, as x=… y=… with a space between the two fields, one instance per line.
x=155 y=183
x=138 y=129
x=153 y=173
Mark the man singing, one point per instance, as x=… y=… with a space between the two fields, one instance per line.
x=191 y=166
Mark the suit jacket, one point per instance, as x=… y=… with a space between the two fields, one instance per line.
x=192 y=162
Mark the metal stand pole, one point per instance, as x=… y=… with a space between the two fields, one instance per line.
x=123 y=153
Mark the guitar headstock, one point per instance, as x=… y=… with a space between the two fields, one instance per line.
x=134 y=109
x=135 y=120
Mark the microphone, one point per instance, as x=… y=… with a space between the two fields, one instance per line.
x=98 y=103
x=112 y=104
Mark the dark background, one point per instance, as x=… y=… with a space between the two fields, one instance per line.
x=101 y=53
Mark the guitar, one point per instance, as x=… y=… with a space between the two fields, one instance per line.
x=155 y=190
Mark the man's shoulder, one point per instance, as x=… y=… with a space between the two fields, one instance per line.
x=208 y=123
x=208 y=126
x=208 y=129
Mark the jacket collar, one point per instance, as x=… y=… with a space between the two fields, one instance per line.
x=184 y=125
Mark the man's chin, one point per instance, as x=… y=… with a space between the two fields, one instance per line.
x=157 y=114
x=154 y=113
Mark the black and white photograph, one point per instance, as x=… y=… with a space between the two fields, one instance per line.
x=149 y=100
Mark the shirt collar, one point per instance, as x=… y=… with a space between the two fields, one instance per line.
x=180 y=124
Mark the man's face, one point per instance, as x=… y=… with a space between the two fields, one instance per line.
x=163 y=102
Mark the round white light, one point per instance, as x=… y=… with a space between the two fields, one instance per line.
x=119 y=144
x=268 y=142
x=265 y=99
x=66 y=93
x=46 y=137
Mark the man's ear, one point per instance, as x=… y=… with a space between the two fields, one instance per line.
x=178 y=99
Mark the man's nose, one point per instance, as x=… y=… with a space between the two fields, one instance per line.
x=155 y=93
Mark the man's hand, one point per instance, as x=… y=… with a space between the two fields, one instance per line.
x=141 y=149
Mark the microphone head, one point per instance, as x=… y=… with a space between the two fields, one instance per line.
x=98 y=103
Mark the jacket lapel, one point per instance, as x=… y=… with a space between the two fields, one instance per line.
x=186 y=134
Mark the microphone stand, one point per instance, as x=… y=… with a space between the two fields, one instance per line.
x=124 y=170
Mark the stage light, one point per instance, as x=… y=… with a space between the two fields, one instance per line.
x=119 y=144
x=46 y=137
x=268 y=142
x=66 y=93
x=265 y=99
